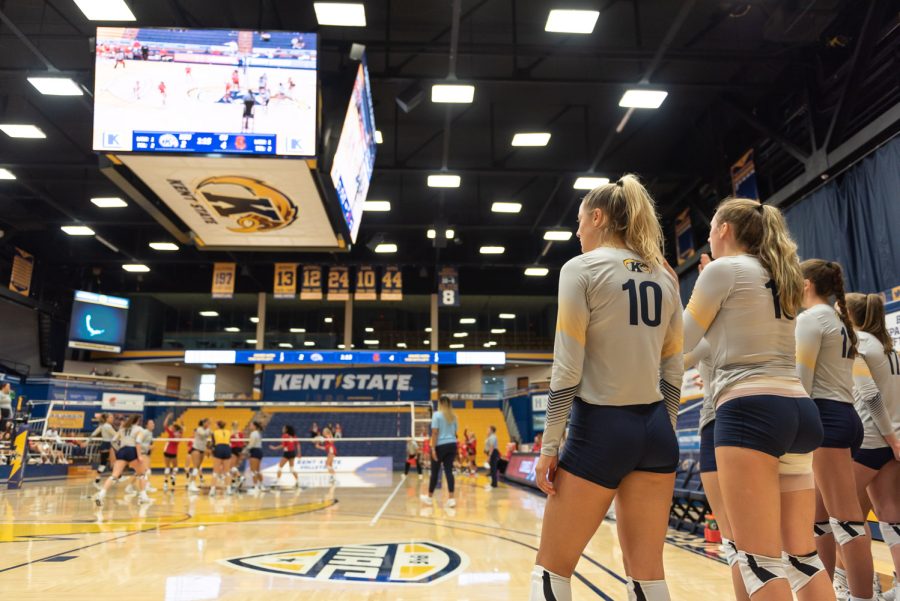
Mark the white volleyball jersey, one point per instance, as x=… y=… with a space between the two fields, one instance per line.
x=824 y=355
x=700 y=357
x=876 y=390
x=201 y=438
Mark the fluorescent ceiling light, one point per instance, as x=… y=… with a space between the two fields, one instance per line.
x=329 y=319
x=340 y=14
x=467 y=320
x=285 y=345
x=431 y=234
x=370 y=330
x=77 y=230
x=105 y=10
x=643 y=99
x=457 y=346
x=250 y=341
x=342 y=346
x=452 y=93
x=589 y=183
x=487 y=345
x=55 y=86
x=426 y=342
x=370 y=341
x=507 y=316
x=109 y=202
x=232 y=329
x=506 y=207
x=167 y=246
x=460 y=334
x=135 y=268
x=6 y=174
x=309 y=343
x=443 y=181
x=386 y=247
x=401 y=345
x=298 y=330
x=450 y=234
x=498 y=331
x=381 y=206
x=492 y=250
x=22 y=131
x=536 y=271
x=254 y=319
x=571 y=21
x=379 y=139
x=209 y=313
x=428 y=330
x=532 y=139
x=558 y=235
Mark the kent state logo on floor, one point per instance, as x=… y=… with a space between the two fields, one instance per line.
x=388 y=563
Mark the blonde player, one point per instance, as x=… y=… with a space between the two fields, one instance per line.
x=826 y=347
x=255 y=452
x=327 y=444
x=617 y=368
x=128 y=455
x=198 y=451
x=876 y=375
x=745 y=303
x=106 y=456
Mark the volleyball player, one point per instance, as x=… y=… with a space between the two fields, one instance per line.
x=876 y=376
x=826 y=347
x=238 y=440
x=170 y=453
x=443 y=450
x=745 y=303
x=412 y=454
x=107 y=432
x=290 y=451
x=128 y=455
x=145 y=442
x=221 y=439
x=617 y=367
x=327 y=445
x=198 y=451
x=255 y=452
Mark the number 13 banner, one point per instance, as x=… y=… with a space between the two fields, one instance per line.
x=285 y=280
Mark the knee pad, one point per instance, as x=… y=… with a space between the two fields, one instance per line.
x=759 y=570
x=801 y=568
x=647 y=590
x=547 y=586
x=844 y=532
x=822 y=528
x=167 y=471
x=890 y=532
x=731 y=551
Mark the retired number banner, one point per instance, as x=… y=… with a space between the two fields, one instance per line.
x=338 y=284
x=223 y=280
x=392 y=284
x=20 y=278
x=312 y=283
x=285 y=280
x=365 y=284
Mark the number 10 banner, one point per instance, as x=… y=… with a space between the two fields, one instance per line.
x=365 y=284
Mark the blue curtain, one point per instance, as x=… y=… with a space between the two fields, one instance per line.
x=855 y=220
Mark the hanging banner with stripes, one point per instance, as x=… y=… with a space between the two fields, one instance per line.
x=223 y=280
x=20 y=278
x=312 y=283
x=392 y=284
x=448 y=287
x=365 y=284
x=743 y=177
x=338 y=284
x=285 y=280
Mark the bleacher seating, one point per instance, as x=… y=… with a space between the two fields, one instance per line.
x=689 y=504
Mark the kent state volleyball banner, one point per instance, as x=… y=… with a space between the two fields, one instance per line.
x=346 y=384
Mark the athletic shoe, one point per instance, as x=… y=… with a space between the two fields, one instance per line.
x=488 y=488
x=149 y=488
x=129 y=490
x=193 y=488
x=841 y=593
x=420 y=476
x=426 y=499
x=451 y=503
x=143 y=499
x=99 y=498
x=212 y=491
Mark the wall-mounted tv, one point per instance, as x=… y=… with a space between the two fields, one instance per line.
x=98 y=322
x=205 y=91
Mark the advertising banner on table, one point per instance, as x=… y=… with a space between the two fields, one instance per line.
x=22 y=267
x=65 y=420
x=223 y=280
x=743 y=177
x=521 y=468
x=346 y=384
x=311 y=289
x=392 y=284
x=338 y=283
x=448 y=287
x=285 y=280
x=120 y=401
x=365 y=284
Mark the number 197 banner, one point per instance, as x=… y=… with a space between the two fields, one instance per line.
x=392 y=284
x=223 y=280
x=448 y=287
x=312 y=283
x=365 y=284
x=285 y=280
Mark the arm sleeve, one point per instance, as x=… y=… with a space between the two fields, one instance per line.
x=710 y=291
x=671 y=365
x=877 y=362
x=568 y=353
x=809 y=341
x=700 y=352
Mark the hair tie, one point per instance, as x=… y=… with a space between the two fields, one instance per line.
x=620 y=183
x=759 y=208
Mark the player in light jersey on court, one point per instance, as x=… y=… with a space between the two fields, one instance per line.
x=745 y=303
x=826 y=347
x=107 y=432
x=198 y=451
x=128 y=455
x=254 y=450
x=617 y=368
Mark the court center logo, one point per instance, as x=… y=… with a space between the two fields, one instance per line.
x=634 y=265
x=386 y=563
x=252 y=205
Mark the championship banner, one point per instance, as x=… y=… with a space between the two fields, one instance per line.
x=285 y=280
x=338 y=284
x=392 y=284
x=17 y=471
x=312 y=283
x=223 y=280
x=684 y=236
x=743 y=177
x=20 y=278
x=448 y=287
x=66 y=420
x=365 y=284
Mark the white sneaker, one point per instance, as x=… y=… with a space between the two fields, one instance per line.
x=143 y=499
x=451 y=502
x=420 y=476
x=488 y=488
x=129 y=490
x=841 y=593
x=99 y=498
x=212 y=491
x=149 y=488
x=426 y=499
x=193 y=488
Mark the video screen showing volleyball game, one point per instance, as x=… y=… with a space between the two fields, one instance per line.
x=205 y=91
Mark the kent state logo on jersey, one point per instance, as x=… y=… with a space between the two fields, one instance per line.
x=636 y=266
x=387 y=563
x=253 y=205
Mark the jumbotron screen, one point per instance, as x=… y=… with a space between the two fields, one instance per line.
x=205 y=91
x=98 y=322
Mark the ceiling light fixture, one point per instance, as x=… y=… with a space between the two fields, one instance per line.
x=507 y=316
x=386 y=247
x=6 y=174
x=467 y=320
x=380 y=206
x=643 y=99
x=14 y=130
x=571 y=21
x=443 y=181
x=452 y=93
x=536 y=271
x=232 y=329
x=135 y=268
x=56 y=86
x=558 y=235
x=164 y=246
x=589 y=183
x=209 y=313
x=379 y=139
x=109 y=202
x=340 y=14
x=531 y=139
x=105 y=10
x=506 y=207
x=492 y=250
x=77 y=230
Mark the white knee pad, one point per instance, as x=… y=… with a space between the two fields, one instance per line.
x=801 y=568
x=759 y=570
x=167 y=471
x=844 y=532
x=730 y=551
x=647 y=590
x=891 y=533
x=547 y=586
x=822 y=528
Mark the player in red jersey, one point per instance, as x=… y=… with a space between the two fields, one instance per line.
x=291 y=450
x=327 y=445
x=170 y=452
x=238 y=442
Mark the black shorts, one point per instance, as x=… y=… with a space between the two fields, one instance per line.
x=289 y=454
x=248 y=109
x=841 y=424
x=708 y=448
x=170 y=455
x=771 y=424
x=874 y=459
x=256 y=453
x=236 y=451
x=128 y=454
x=606 y=443
x=222 y=451
x=105 y=446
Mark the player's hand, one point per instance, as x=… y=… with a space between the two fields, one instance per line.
x=545 y=473
x=434 y=455
x=894 y=443
x=705 y=260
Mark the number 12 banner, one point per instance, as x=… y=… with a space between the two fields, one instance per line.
x=285 y=280
x=312 y=283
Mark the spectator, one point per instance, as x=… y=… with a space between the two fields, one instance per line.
x=314 y=430
x=538 y=442
x=338 y=432
x=6 y=403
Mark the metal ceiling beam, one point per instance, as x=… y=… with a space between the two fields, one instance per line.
x=756 y=123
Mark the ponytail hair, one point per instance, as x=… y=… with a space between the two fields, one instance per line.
x=763 y=232
x=867 y=313
x=827 y=279
x=445 y=406
x=631 y=215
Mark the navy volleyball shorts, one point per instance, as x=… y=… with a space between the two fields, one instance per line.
x=841 y=423
x=222 y=451
x=606 y=443
x=771 y=424
x=256 y=453
x=128 y=454
x=708 y=448
x=874 y=459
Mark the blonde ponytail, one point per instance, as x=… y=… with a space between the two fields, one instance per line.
x=445 y=406
x=631 y=215
x=867 y=313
